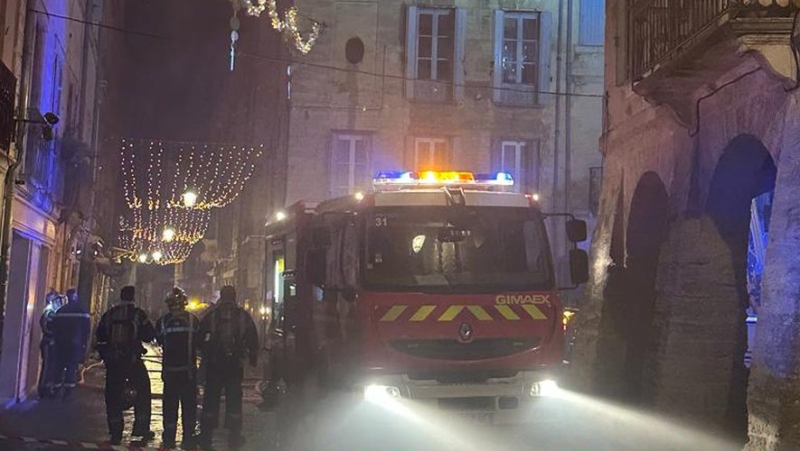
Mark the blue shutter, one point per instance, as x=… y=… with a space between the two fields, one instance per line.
x=592 y=22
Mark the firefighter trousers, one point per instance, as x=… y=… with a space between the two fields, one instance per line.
x=221 y=378
x=180 y=388
x=47 y=378
x=116 y=375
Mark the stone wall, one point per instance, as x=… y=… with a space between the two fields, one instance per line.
x=699 y=308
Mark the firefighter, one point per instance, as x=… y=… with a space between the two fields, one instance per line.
x=47 y=377
x=120 y=336
x=71 y=329
x=176 y=332
x=228 y=336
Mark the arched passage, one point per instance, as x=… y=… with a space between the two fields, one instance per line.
x=629 y=346
x=744 y=172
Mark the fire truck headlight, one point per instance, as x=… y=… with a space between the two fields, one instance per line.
x=546 y=388
x=375 y=393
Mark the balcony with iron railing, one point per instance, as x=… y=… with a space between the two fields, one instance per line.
x=675 y=45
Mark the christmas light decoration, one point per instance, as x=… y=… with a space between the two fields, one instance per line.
x=288 y=25
x=168 y=235
x=170 y=189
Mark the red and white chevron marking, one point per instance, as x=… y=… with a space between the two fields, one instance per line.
x=75 y=444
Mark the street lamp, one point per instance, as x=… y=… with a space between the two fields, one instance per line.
x=168 y=235
x=189 y=199
x=142 y=258
x=280 y=216
x=157 y=256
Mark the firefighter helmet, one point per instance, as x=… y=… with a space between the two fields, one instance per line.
x=177 y=298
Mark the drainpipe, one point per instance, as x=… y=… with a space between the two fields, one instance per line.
x=568 y=110
x=21 y=142
x=557 y=128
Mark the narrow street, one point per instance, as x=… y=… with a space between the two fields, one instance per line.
x=340 y=421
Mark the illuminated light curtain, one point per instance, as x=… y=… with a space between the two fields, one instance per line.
x=157 y=176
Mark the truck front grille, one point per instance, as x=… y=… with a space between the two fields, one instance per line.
x=479 y=349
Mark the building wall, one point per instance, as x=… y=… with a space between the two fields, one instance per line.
x=691 y=316
x=57 y=62
x=329 y=95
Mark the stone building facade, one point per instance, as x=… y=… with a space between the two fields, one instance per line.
x=480 y=86
x=54 y=53
x=702 y=119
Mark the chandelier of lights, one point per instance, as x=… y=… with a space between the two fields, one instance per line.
x=170 y=190
x=288 y=25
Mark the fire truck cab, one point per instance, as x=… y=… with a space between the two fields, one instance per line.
x=436 y=287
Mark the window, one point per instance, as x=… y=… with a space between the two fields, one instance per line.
x=435 y=44
x=522 y=57
x=434 y=53
x=350 y=163
x=431 y=153
x=520 y=159
x=592 y=22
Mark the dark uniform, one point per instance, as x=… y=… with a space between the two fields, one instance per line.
x=71 y=329
x=120 y=335
x=229 y=336
x=177 y=333
x=47 y=377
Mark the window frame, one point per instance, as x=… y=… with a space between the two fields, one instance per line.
x=519 y=40
x=518 y=94
x=352 y=178
x=527 y=162
x=436 y=14
x=452 y=89
x=432 y=164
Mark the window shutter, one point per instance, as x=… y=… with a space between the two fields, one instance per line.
x=332 y=167
x=460 y=45
x=454 y=157
x=545 y=56
x=498 y=55
x=411 y=50
x=497 y=149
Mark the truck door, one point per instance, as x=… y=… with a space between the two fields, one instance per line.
x=291 y=317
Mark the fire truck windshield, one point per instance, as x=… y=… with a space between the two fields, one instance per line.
x=461 y=249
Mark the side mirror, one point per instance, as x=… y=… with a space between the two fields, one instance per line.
x=576 y=230
x=578 y=266
x=316 y=266
x=321 y=236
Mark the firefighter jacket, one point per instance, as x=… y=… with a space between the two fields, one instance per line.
x=71 y=329
x=121 y=332
x=177 y=333
x=228 y=335
x=46 y=324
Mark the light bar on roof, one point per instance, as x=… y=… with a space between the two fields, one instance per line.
x=440 y=178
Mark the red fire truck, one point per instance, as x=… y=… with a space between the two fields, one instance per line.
x=437 y=287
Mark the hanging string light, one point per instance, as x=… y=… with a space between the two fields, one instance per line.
x=288 y=25
x=170 y=189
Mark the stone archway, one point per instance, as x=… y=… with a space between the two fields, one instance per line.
x=774 y=388
x=703 y=295
x=745 y=171
x=628 y=348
